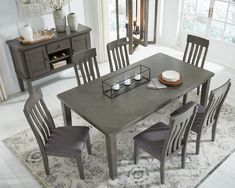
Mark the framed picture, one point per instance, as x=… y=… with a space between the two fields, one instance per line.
x=31 y=8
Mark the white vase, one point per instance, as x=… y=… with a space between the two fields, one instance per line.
x=27 y=32
x=60 y=20
x=72 y=22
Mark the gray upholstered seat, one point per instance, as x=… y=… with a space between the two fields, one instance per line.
x=67 y=141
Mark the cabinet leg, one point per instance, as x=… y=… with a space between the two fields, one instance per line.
x=29 y=86
x=21 y=83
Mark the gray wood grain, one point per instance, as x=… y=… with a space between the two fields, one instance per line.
x=110 y=116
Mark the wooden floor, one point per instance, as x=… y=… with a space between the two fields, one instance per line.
x=12 y=172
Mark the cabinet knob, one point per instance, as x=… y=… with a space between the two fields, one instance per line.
x=58 y=46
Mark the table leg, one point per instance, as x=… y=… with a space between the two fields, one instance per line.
x=111 y=144
x=205 y=92
x=29 y=86
x=21 y=83
x=66 y=115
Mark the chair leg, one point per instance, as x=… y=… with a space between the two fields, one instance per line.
x=162 y=171
x=80 y=166
x=198 y=142
x=46 y=164
x=213 y=132
x=198 y=90
x=183 y=155
x=136 y=153
x=88 y=145
x=185 y=99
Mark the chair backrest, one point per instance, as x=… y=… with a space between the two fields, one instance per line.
x=196 y=50
x=180 y=124
x=39 y=117
x=117 y=54
x=216 y=100
x=86 y=62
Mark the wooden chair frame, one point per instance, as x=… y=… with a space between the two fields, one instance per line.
x=43 y=126
x=86 y=62
x=176 y=140
x=117 y=54
x=195 y=54
x=211 y=114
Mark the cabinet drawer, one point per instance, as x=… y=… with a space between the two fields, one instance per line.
x=58 y=46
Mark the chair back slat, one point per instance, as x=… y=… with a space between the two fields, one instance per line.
x=180 y=124
x=122 y=49
x=87 y=70
x=38 y=125
x=96 y=72
x=81 y=67
x=114 y=59
x=39 y=118
x=199 y=56
x=46 y=115
x=41 y=121
x=91 y=68
x=118 y=57
x=196 y=50
x=117 y=54
x=195 y=55
x=87 y=63
x=215 y=103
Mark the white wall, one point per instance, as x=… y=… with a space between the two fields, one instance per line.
x=10 y=23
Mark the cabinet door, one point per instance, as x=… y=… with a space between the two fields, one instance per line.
x=81 y=42
x=37 y=61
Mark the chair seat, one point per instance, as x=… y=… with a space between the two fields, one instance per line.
x=67 y=141
x=198 y=118
x=153 y=138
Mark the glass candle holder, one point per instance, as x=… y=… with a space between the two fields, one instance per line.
x=137 y=76
x=127 y=80
x=116 y=86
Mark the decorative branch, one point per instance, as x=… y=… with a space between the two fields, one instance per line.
x=57 y=4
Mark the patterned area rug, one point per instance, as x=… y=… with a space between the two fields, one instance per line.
x=64 y=171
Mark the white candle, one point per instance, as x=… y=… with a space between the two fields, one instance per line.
x=137 y=77
x=116 y=86
x=127 y=82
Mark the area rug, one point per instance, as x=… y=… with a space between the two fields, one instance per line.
x=64 y=172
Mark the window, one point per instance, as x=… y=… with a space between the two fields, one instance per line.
x=211 y=18
x=122 y=18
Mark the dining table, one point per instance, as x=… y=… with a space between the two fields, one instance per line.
x=111 y=115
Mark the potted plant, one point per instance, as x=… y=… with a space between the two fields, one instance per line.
x=59 y=14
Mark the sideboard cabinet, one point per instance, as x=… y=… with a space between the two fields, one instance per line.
x=36 y=61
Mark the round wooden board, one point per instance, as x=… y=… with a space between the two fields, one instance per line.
x=172 y=84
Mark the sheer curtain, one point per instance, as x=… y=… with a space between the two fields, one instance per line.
x=103 y=29
x=3 y=95
x=97 y=17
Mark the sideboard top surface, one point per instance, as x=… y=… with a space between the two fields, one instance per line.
x=14 y=43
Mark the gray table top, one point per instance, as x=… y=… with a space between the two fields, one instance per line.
x=111 y=115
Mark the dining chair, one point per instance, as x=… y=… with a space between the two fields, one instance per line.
x=162 y=141
x=55 y=141
x=208 y=116
x=195 y=54
x=117 y=54
x=86 y=62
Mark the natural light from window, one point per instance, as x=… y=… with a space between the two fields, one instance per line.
x=210 y=18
